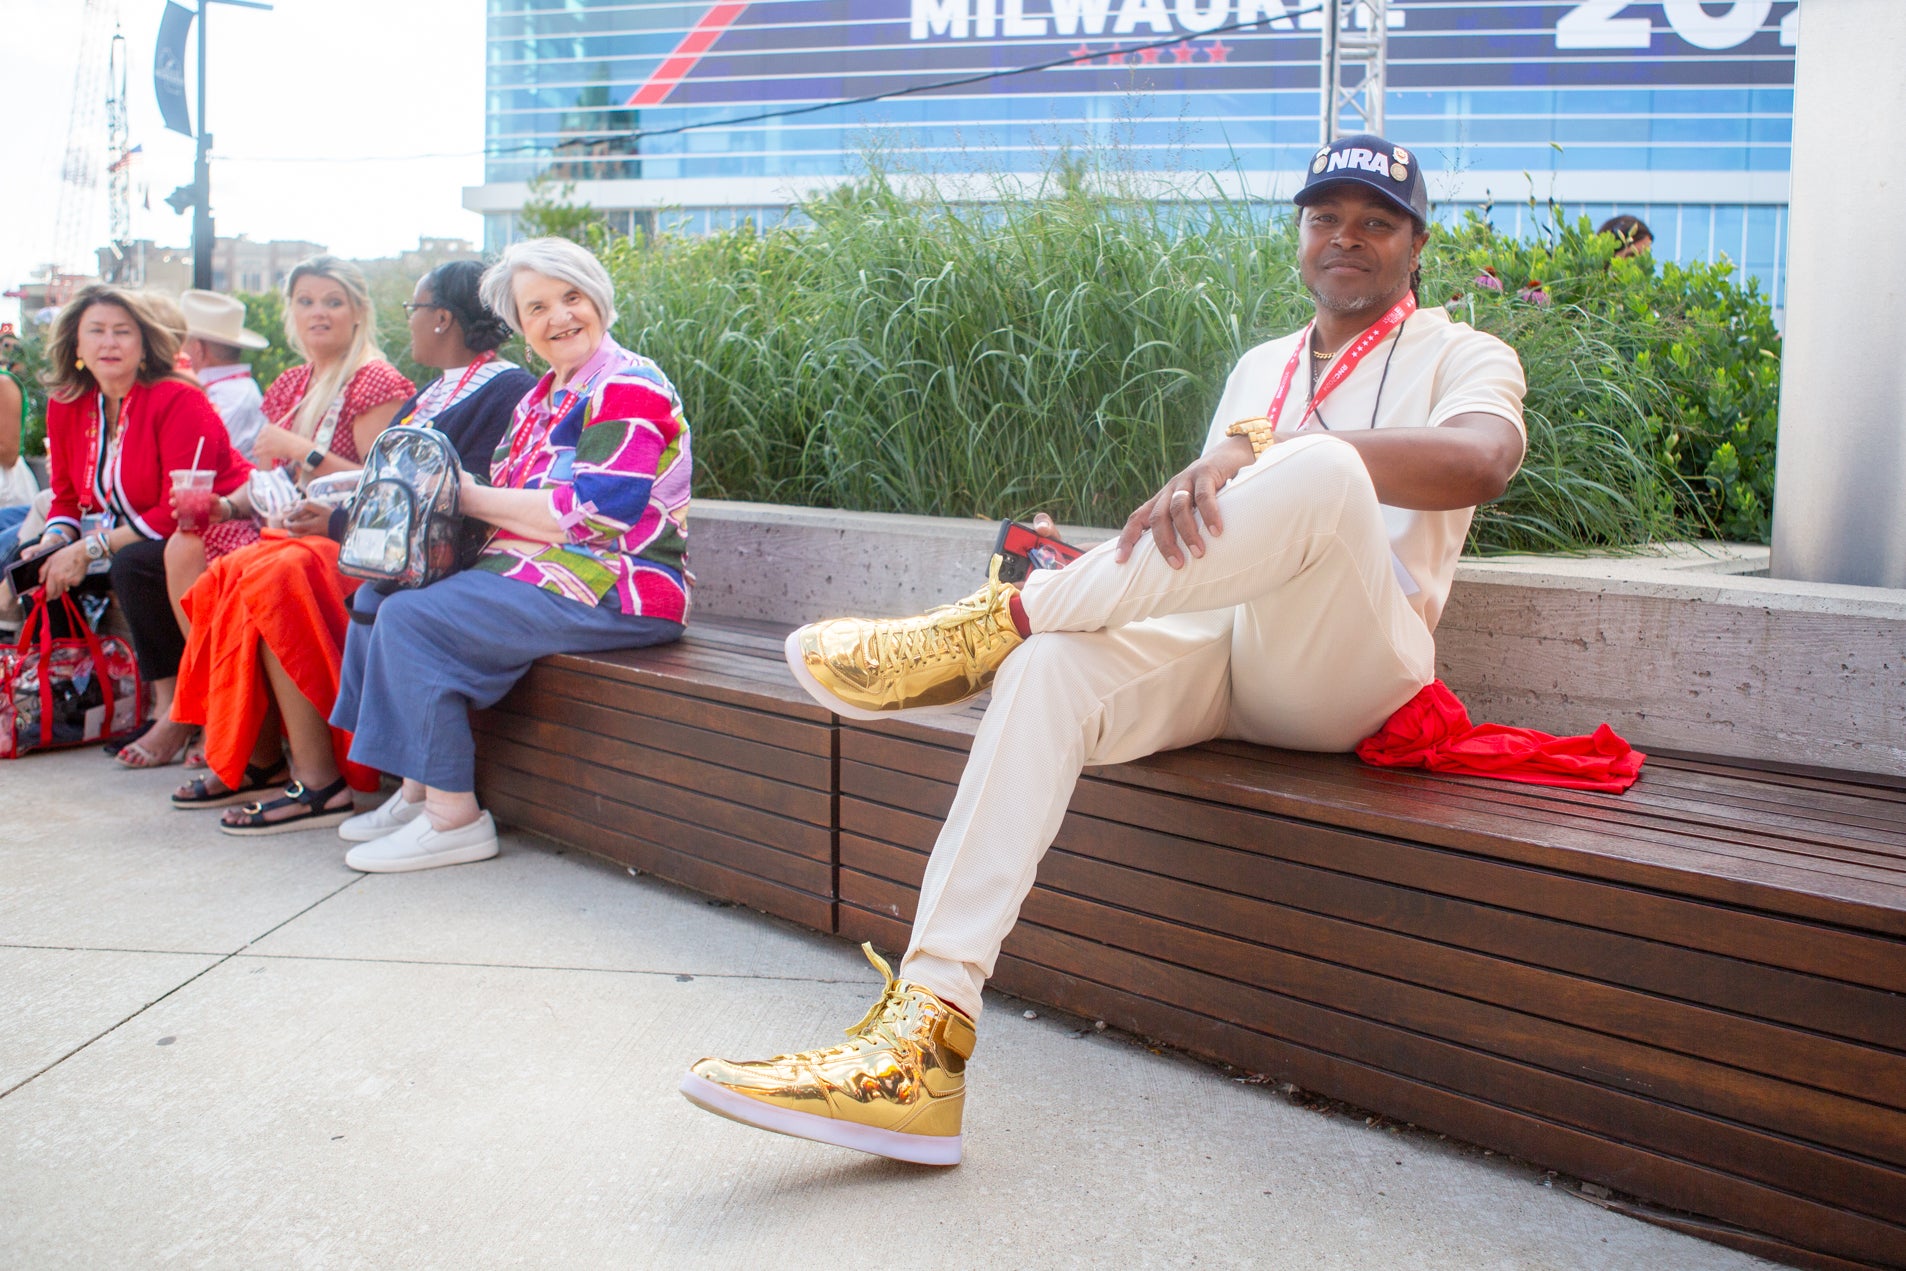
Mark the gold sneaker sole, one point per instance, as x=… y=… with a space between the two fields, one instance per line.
x=915 y=1149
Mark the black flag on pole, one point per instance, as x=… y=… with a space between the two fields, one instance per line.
x=168 y=67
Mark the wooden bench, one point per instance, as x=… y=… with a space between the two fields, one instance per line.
x=1694 y=993
x=700 y=762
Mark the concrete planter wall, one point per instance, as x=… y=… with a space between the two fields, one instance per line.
x=1683 y=650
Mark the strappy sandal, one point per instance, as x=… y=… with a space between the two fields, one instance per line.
x=314 y=815
x=137 y=756
x=258 y=779
x=126 y=739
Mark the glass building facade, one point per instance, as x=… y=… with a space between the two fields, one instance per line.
x=704 y=114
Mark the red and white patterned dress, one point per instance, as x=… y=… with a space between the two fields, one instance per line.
x=375 y=383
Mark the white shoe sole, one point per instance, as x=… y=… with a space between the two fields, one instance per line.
x=466 y=855
x=363 y=835
x=791 y=650
x=915 y=1149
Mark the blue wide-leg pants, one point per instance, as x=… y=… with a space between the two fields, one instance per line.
x=410 y=678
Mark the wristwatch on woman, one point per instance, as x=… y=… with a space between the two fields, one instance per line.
x=96 y=547
x=313 y=459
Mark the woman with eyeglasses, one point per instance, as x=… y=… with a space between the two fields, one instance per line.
x=260 y=670
x=588 y=497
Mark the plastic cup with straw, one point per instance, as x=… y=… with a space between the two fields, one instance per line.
x=192 y=494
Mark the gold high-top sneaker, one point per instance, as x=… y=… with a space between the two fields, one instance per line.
x=868 y=668
x=895 y=1088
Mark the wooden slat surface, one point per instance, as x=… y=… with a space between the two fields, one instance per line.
x=1584 y=1011
x=685 y=761
x=1694 y=992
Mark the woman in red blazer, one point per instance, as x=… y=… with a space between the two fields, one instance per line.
x=119 y=419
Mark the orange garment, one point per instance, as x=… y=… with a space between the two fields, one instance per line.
x=287 y=593
x=1432 y=730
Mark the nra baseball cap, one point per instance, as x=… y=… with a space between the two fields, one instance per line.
x=1369 y=161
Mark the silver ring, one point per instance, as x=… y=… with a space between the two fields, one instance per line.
x=1179 y=494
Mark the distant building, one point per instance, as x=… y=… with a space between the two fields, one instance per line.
x=42 y=295
x=238 y=264
x=414 y=262
x=698 y=116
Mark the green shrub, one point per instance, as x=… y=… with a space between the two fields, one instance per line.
x=30 y=364
x=1063 y=349
x=1700 y=347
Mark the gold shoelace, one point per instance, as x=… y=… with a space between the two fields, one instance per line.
x=923 y=639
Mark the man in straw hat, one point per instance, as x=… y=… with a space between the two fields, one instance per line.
x=215 y=337
x=1280 y=589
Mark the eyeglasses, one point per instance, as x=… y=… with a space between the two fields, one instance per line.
x=410 y=308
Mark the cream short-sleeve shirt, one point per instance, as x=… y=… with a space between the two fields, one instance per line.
x=1437 y=369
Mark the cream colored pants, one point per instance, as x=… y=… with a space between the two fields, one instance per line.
x=1290 y=631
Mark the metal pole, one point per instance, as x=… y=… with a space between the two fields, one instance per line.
x=1331 y=70
x=202 y=241
x=1838 y=512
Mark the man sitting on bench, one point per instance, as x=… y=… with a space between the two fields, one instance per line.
x=1282 y=589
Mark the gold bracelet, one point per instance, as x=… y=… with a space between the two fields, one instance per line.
x=1261 y=432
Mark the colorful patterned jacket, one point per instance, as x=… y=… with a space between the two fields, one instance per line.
x=612 y=450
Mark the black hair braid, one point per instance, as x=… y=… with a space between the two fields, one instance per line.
x=454 y=286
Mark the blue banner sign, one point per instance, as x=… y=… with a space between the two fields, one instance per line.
x=782 y=50
x=168 y=68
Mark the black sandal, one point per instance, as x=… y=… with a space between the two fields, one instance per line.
x=314 y=816
x=258 y=779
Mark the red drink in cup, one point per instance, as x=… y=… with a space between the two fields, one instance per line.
x=192 y=498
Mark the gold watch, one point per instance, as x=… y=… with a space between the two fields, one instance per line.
x=1260 y=431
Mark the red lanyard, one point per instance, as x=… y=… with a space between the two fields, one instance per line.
x=527 y=440
x=1346 y=361
x=458 y=390
x=95 y=439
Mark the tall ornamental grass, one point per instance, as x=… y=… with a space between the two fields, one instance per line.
x=1063 y=349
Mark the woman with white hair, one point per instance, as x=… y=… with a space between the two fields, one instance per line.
x=588 y=495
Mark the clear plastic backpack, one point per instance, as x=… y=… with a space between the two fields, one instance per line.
x=405 y=526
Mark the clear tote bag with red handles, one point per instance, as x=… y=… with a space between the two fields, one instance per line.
x=65 y=691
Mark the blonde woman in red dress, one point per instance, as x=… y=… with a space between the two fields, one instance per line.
x=323 y=413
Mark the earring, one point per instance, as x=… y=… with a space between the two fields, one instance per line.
x=438 y=330
x=79 y=363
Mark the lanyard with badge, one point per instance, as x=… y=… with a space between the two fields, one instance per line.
x=1346 y=362
x=98 y=448
x=455 y=393
x=531 y=438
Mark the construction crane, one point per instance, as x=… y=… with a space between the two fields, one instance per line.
x=76 y=220
x=128 y=268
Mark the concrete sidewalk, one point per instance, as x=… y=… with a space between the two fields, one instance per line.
x=222 y=1052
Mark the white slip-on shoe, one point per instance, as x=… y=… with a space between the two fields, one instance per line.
x=392 y=814
x=418 y=846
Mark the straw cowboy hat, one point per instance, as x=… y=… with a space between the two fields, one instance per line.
x=220 y=319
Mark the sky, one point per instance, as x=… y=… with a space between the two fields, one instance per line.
x=318 y=112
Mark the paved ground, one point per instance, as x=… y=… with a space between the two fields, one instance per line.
x=226 y=1052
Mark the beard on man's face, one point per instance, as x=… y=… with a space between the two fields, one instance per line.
x=1348 y=291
